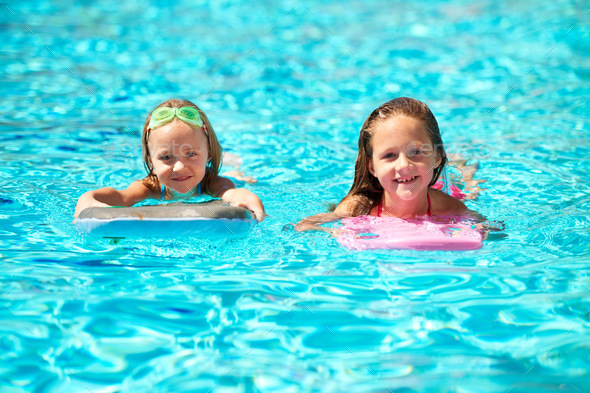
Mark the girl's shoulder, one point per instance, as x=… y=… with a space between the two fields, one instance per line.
x=443 y=203
x=354 y=205
x=217 y=186
x=347 y=206
x=140 y=189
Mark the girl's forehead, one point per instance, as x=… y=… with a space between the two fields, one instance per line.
x=401 y=127
x=178 y=130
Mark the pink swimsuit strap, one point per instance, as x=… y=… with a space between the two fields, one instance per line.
x=380 y=209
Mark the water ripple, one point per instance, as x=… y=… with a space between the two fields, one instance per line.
x=287 y=88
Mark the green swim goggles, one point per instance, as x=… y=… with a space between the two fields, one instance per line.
x=165 y=114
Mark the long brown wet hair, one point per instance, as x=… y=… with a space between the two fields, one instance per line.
x=366 y=188
x=151 y=181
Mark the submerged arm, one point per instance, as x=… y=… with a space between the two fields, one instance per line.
x=313 y=223
x=456 y=207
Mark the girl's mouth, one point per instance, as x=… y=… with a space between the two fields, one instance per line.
x=405 y=179
x=181 y=178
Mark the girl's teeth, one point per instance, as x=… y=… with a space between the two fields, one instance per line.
x=406 y=180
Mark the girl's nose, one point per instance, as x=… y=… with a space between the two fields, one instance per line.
x=403 y=161
x=178 y=166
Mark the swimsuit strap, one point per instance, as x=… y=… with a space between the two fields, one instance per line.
x=380 y=207
x=428 y=197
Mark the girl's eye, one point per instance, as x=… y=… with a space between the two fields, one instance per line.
x=191 y=154
x=165 y=158
x=389 y=155
x=414 y=152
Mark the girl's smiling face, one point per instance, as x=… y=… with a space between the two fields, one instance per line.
x=179 y=153
x=403 y=157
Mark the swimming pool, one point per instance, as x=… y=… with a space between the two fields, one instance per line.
x=287 y=87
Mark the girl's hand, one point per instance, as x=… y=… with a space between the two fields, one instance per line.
x=491 y=226
x=244 y=198
x=86 y=201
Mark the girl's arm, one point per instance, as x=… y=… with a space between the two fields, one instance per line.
x=224 y=188
x=444 y=204
x=313 y=223
x=107 y=196
x=451 y=206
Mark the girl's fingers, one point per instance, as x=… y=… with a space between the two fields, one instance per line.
x=259 y=215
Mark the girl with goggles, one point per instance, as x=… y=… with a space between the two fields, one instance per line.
x=182 y=157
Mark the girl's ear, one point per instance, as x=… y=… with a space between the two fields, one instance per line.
x=370 y=166
x=438 y=159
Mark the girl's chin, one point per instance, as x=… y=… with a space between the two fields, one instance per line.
x=404 y=194
x=183 y=190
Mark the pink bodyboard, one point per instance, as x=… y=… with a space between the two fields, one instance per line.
x=445 y=234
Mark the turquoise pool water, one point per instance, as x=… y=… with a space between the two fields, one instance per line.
x=287 y=86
